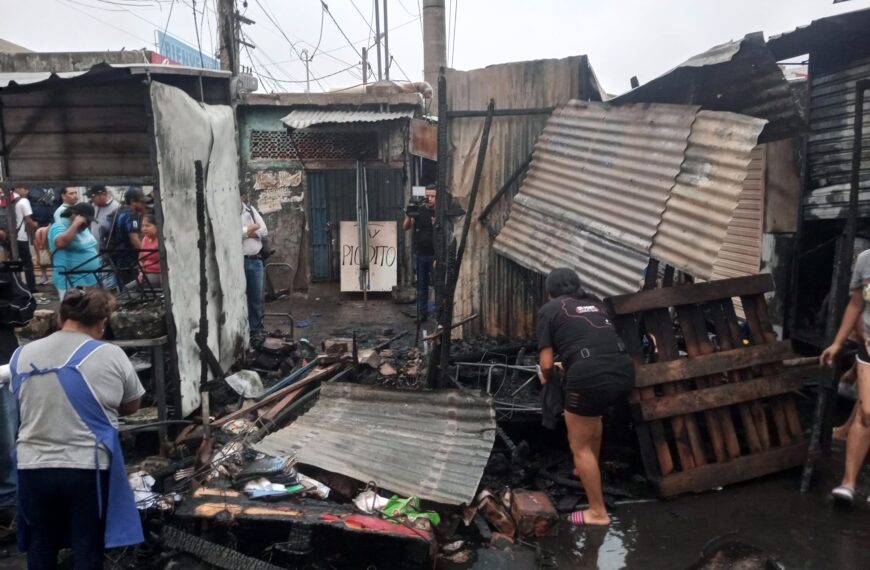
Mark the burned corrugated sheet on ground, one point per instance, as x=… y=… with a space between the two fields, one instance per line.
x=610 y=186
x=741 y=77
x=432 y=445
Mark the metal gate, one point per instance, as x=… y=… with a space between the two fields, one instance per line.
x=332 y=199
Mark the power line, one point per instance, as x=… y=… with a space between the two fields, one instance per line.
x=350 y=43
x=129 y=33
x=320 y=35
x=198 y=43
x=289 y=41
x=166 y=27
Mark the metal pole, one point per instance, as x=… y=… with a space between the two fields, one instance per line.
x=386 y=44
x=378 y=38
x=365 y=66
x=306 y=59
x=203 y=294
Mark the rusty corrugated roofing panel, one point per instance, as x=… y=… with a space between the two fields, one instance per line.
x=432 y=445
x=702 y=203
x=304 y=118
x=608 y=169
x=741 y=77
x=609 y=187
x=740 y=254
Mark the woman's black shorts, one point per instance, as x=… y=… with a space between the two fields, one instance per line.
x=595 y=384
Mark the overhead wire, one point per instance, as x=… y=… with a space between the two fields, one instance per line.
x=198 y=43
x=350 y=43
x=79 y=10
x=283 y=33
x=168 y=18
x=320 y=35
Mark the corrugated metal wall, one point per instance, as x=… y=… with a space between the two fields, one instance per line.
x=506 y=295
x=332 y=199
x=829 y=150
x=741 y=251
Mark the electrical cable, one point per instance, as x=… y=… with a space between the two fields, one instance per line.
x=350 y=43
x=198 y=43
x=169 y=17
x=79 y=10
x=320 y=36
x=281 y=30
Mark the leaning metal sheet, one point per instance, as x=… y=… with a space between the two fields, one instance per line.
x=432 y=445
x=186 y=131
x=702 y=203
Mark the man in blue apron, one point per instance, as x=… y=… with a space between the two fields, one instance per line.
x=72 y=485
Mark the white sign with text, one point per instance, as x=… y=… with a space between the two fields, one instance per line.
x=383 y=257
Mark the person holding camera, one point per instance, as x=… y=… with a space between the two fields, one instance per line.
x=254 y=234
x=421 y=219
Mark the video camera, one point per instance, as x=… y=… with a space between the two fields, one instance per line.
x=415 y=206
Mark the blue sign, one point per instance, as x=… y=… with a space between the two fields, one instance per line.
x=183 y=54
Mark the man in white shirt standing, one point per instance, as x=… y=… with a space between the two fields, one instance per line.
x=253 y=232
x=25 y=225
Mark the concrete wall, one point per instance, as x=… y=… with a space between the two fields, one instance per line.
x=68 y=61
x=278 y=188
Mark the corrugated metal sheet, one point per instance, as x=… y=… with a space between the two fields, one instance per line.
x=740 y=253
x=609 y=170
x=304 y=118
x=609 y=187
x=850 y=29
x=432 y=445
x=702 y=203
x=741 y=77
x=505 y=294
x=830 y=142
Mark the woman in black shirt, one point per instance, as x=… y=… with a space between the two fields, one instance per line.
x=598 y=374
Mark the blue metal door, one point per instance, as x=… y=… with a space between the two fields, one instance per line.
x=332 y=199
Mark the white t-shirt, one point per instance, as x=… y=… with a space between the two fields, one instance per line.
x=22 y=210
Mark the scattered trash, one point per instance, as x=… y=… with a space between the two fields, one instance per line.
x=239 y=426
x=316 y=487
x=246 y=383
x=369 y=502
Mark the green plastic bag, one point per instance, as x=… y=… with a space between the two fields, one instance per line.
x=398 y=507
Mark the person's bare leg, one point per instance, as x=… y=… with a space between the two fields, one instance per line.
x=858 y=440
x=584 y=435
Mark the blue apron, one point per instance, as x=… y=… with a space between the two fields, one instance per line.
x=123 y=525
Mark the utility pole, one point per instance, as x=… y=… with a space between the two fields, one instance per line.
x=307 y=60
x=378 y=38
x=228 y=34
x=434 y=45
x=365 y=65
x=386 y=43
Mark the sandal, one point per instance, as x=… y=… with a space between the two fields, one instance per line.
x=843 y=494
x=576 y=518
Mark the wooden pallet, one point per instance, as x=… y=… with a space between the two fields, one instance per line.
x=711 y=417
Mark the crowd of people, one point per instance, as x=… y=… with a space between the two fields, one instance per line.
x=75 y=243
x=65 y=485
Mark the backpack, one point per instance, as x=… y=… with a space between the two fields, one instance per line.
x=16 y=302
x=44 y=202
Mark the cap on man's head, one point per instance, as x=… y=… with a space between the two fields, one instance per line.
x=134 y=195
x=81 y=209
x=94 y=190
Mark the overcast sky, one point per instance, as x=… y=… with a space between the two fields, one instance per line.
x=621 y=37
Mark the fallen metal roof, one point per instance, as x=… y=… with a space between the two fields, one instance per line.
x=740 y=76
x=304 y=118
x=702 y=203
x=610 y=186
x=432 y=445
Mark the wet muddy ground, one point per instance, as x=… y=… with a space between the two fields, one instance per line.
x=769 y=516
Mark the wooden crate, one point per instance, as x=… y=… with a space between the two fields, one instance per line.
x=713 y=416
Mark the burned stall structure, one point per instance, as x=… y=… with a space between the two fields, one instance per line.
x=315 y=163
x=681 y=203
